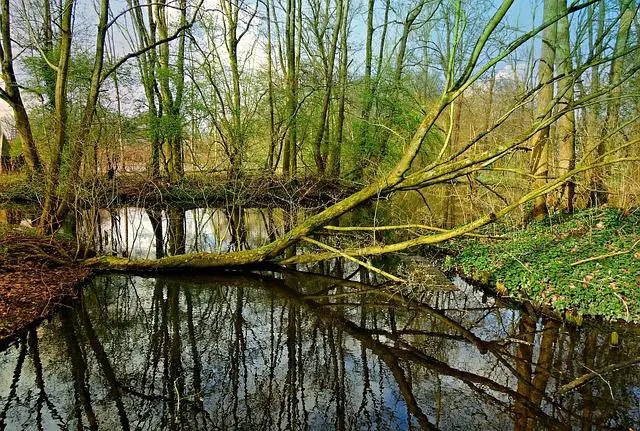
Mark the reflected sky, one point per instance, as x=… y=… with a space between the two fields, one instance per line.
x=144 y=233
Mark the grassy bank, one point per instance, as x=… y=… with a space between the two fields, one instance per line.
x=587 y=263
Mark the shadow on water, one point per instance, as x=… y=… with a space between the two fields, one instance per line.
x=326 y=349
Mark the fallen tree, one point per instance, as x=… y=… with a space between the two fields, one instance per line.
x=443 y=169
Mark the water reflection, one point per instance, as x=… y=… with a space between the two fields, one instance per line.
x=150 y=233
x=306 y=351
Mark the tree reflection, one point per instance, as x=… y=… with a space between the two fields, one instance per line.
x=307 y=351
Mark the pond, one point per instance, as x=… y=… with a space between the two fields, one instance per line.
x=325 y=346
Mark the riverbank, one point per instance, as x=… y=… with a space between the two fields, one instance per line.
x=196 y=189
x=37 y=275
x=582 y=264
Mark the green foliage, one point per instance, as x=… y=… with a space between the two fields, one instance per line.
x=43 y=77
x=164 y=73
x=14 y=187
x=15 y=149
x=166 y=126
x=541 y=263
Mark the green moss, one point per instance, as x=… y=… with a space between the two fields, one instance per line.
x=539 y=263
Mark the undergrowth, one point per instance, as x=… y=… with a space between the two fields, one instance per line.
x=547 y=262
x=14 y=187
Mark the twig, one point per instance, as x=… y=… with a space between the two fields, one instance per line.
x=353 y=259
x=605 y=256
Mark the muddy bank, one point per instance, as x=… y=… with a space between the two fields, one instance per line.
x=37 y=275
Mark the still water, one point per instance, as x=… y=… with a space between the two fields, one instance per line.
x=297 y=350
x=329 y=347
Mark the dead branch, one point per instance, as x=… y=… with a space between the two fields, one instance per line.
x=605 y=256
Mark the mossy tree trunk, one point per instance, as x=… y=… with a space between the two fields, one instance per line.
x=171 y=86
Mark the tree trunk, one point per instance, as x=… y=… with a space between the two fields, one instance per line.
x=329 y=66
x=147 y=63
x=335 y=154
x=11 y=94
x=407 y=28
x=53 y=174
x=367 y=99
x=77 y=147
x=541 y=141
x=171 y=101
x=291 y=91
x=271 y=165
x=612 y=120
x=567 y=123
x=596 y=185
x=230 y=11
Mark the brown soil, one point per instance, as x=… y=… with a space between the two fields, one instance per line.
x=37 y=274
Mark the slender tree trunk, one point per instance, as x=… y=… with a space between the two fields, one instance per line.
x=324 y=110
x=596 y=185
x=147 y=63
x=11 y=94
x=171 y=101
x=231 y=9
x=567 y=123
x=47 y=45
x=335 y=154
x=53 y=174
x=80 y=141
x=121 y=164
x=542 y=141
x=407 y=27
x=490 y=91
x=289 y=157
x=272 y=131
x=367 y=100
x=612 y=120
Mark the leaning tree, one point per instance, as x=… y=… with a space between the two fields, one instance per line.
x=468 y=158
